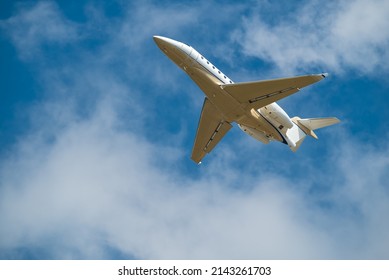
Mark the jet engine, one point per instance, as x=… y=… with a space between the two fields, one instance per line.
x=257 y=134
x=277 y=114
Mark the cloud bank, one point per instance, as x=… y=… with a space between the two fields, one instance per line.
x=88 y=181
x=332 y=35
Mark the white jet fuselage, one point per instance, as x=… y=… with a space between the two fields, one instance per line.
x=264 y=124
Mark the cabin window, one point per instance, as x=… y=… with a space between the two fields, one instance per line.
x=219 y=72
x=225 y=77
x=213 y=67
x=230 y=82
x=202 y=57
x=207 y=62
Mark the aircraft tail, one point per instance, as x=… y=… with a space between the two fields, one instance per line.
x=304 y=127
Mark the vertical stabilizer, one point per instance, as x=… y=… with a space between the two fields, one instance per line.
x=295 y=136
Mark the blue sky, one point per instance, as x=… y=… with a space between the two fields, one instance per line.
x=97 y=127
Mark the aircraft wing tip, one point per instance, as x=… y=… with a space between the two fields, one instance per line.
x=324 y=75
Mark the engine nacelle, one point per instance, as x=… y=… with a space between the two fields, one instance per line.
x=277 y=114
x=259 y=135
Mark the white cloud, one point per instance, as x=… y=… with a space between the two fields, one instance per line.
x=160 y=19
x=333 y=36
x=97 y=185
x=41 y=24
x=98 y=181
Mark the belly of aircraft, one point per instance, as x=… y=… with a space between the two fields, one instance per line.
x=210 y=85
x=261 y=124
x=228 y=106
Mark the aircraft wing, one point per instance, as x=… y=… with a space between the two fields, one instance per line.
x=261 y=93
x=211 y=129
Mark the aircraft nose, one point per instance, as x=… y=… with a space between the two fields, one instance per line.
x=166 y=42
x=161 y=41
x=158 y=39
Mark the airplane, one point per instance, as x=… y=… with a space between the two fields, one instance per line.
x=252 y=105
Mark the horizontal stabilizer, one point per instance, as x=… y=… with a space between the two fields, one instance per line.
x=303 y=127
x=317 y=123
x=309 y=125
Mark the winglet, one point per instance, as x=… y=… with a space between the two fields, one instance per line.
x=324 y=75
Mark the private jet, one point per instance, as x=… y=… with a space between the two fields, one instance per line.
x=252 y=105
